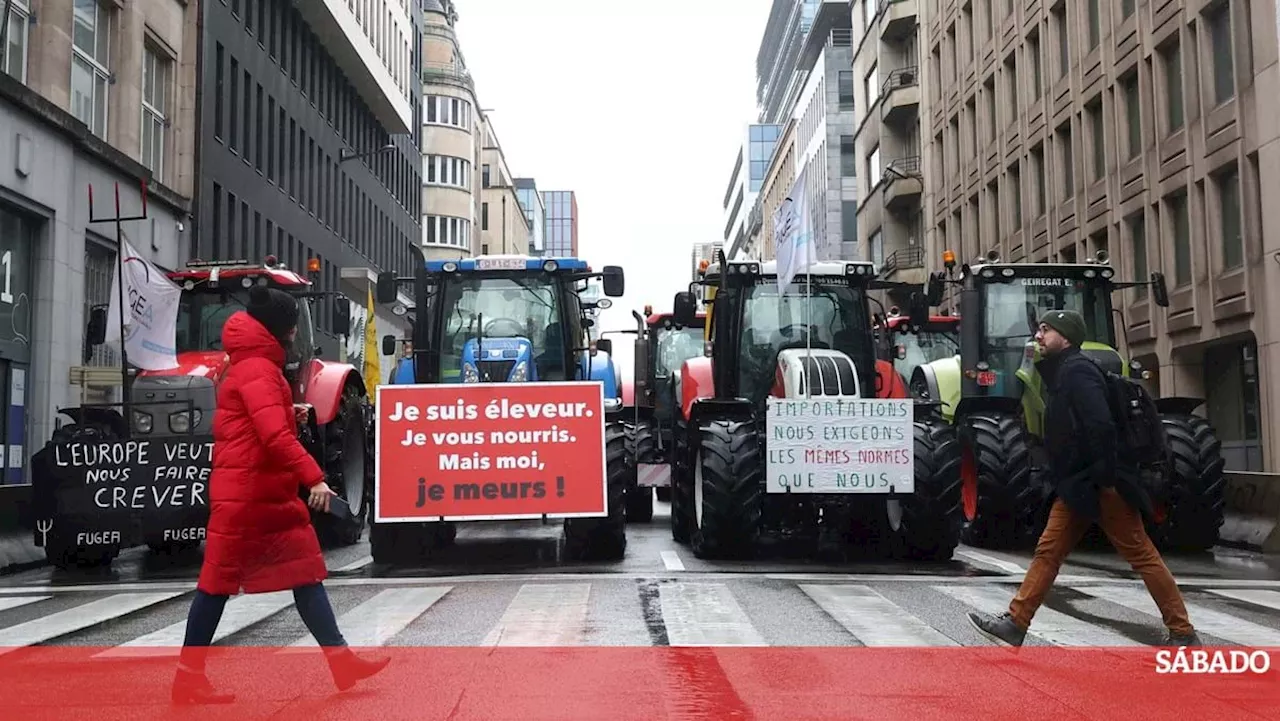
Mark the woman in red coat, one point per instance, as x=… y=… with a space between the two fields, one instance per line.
x=260 y=537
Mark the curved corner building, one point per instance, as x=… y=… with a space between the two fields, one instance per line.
x=449 y=149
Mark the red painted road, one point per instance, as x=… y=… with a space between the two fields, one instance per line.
x=624 y=684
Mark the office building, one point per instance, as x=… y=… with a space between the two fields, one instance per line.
x=778 y=79
x=562 y=222
x=90 y=94
x=816 y=145
x=1056 y=130
x=535 y=213
x=503 y=228
x=744 y=185
x=887 y=137
x=309 y=139
x=451 y=150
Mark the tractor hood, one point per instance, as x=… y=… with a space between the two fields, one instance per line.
x=210 y=364
x=813 y=372
x=498 y=360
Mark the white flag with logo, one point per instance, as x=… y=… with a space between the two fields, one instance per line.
x=151 y=313
x=794 y=251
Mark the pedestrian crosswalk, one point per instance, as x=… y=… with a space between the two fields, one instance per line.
x=609 y=612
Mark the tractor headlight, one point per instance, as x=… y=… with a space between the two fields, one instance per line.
x=450 y=267
x=612 y=404
x=182 y=421
x=142 y=422
x=469 y=374
x=520 y=373
x=550 y=266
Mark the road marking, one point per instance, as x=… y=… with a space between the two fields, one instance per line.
x=672 y=561
x=1053 y=626
x=75 y=619
x=1266 y=599
x=873 y=619
x=377 y=620
x=992 y=561
x=709 y=576
x=543 y=614
x=240 y=613
x=705 y=614
x=355 y=565
x=1205 y=619
x=19 y=601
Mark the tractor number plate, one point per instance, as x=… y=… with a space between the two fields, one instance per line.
x=987 y=378
x=653 y=475
x=501 y=263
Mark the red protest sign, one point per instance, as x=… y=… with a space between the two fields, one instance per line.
x=487 y=451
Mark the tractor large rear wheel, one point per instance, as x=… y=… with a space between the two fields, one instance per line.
x=928 y=527
x=348 y=466
x=1000 y=501
x=1193 y=504
x=728 y=480
x=644 y=443
x=605 y=538
x=682 y=474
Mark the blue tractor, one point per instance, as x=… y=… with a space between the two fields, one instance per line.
x=512 y=319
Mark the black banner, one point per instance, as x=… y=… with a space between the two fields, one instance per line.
x=122 y=493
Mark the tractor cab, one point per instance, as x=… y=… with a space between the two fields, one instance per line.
x=505 y=319
x=909 y=345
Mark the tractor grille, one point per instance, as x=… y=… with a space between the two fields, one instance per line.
x=495 y=371
x=827 y=376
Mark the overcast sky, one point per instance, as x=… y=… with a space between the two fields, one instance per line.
x=640 y=107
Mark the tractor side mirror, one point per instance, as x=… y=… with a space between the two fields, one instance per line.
x=919 y=310
x=685 y=308
x=388 y=345
x=341 y=316
x=1159 y=290
x=605 y=345
x=97 y=330
x=614 y=281
x=386 y=288
x=935 y=290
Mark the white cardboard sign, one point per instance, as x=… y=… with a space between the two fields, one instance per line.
x=840 y=445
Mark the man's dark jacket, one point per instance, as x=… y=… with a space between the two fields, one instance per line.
x=1081 y=437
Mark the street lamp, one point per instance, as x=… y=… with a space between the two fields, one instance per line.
x=346 y=155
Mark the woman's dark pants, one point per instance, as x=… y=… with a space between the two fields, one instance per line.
x=206 y=611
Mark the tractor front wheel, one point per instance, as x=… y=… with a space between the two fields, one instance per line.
x=605 y=538
x=930 y=523
x=1002 y=502
x=728 y=478
x=348 y=467
x=1192 y=505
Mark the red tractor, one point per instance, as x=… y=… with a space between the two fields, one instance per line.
x=909 y=345
x=173 y=407
x=662 y=346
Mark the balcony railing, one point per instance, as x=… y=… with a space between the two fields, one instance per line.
x=840 y=38
x=904 y=258
x=907 y=77
x=907 y=167
x=447 y=73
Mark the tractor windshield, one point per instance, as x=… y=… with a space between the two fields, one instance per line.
x=203 y=312
x=832 y=318
x=675 y=347
x=495 y=322
x=1013 y=309
x=912 y=350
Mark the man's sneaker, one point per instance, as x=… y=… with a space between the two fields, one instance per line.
x=1000 y=629
x=1178 y=639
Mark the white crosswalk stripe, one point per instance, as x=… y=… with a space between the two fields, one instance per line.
x=1206 y=620
x=873 y=619
x=686 y=612
x=42 y=629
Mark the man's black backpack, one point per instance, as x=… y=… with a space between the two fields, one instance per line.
x=1141 y=438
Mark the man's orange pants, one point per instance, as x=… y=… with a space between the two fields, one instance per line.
x=1123 y=526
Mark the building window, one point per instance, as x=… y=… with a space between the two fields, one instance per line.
x=1095 y=24
x=1181 y=227
x=876 y=245
x=1138 y=245
x=989 y=88
x=1219 y=22
x=873 y=167
x=1014 y=188
x=1229 y=209
x=484 y=178
x=1064 y=48
x=446 y=230
x=845 y=85
x=1068 y=162
x=155 y=105
x=871 y=87
x=90 y=61
x=1098 y=139
x=484 y=216
x=15 y=51
x=446 y=170
x=1172 y=58
x=444 y=110
x=1037 y=77
x=848 y=157
x=1126 y=8
x=1133 y=114
x=1038 y=170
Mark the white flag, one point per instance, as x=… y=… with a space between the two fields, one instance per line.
x=794 y=247
x=151 y=313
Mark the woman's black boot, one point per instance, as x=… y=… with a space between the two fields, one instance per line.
x=194 y=689
x=348 y=668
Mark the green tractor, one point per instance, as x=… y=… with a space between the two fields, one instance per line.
x=992 y=392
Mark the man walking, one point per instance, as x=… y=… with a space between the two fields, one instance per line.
x=1090 y=486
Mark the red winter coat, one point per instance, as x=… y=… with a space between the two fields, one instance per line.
x=260 y=537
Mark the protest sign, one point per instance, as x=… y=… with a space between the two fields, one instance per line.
x=840 y=445
x=486 y=451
